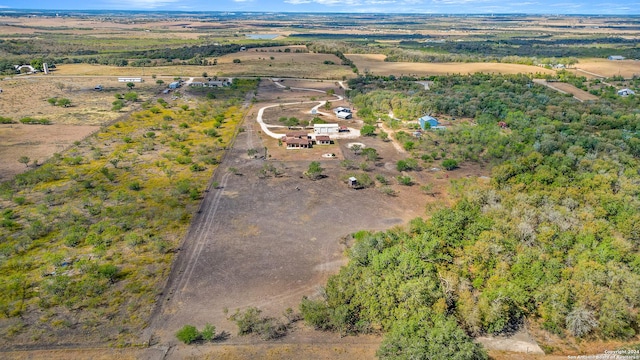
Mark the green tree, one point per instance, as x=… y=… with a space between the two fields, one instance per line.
x=64 y=102
x=314 y=172
x=24 y=160
x=130 y=85
x=188 y=334
x=131 y=96
x=208 y=333
x=368 y=130
x=449 y=164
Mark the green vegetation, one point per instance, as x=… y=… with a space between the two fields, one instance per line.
x=189 y=334
x=314 y=172
x=251 y=322
x=552 y=240
x=34 y=121
x=88 y=238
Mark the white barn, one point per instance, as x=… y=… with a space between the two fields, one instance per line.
x=326 y=129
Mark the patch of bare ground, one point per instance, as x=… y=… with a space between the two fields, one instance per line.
x=375 y=64
x=567 y=89
x=38 y=142
x=267 y=241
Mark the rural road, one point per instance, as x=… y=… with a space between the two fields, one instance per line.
x=353 y=133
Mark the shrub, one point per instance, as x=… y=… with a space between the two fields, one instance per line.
x=197 y=167
x=188 y=334
x=208 y=333
x=368 y=130
x=405 y=180
x=135 y=186
x=316 y=313
x=449 y=164
x=6 y=120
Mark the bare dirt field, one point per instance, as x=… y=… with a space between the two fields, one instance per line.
x=38 y=142
x=375 y=64
x=266 y=242
x=567 y=89
x=608 y=68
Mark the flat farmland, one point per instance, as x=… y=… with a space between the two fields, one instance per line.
x=253 y=62
x=26 y=96
x=375 y=64
x=38 y=142
x=608 y=68
x=567 y=89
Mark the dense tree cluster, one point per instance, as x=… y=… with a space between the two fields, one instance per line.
x=553 y=238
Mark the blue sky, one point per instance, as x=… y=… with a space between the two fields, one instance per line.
x=607 y=7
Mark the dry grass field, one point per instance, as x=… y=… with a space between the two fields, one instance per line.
x=26 y=96
x=607 y=68
x=568 y=89
x=375 y=64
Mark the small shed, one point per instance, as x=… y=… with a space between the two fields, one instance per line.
x=433 y=122
x=626 y=92
x=616 y=57
x=174 y=85
x=353 y=182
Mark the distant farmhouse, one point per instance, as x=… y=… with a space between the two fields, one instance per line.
x=626 y=92
x=616 y=57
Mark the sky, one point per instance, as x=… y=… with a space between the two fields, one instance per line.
x=592 y=7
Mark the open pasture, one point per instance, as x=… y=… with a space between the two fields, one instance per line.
x=375 y=64
x=607 y=68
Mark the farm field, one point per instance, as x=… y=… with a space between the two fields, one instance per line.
x=568 y=89
x=607 y=68
x=38 y=142
x=375 y=64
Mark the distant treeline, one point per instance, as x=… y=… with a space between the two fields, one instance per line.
x=531 y=48
x=190 y=55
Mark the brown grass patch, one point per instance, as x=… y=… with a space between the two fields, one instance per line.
x=608 y=68
x=375 y=64
x=38 y=142
x=568 y=89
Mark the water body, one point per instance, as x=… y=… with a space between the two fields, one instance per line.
x=262 y=36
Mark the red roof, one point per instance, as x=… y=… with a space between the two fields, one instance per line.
x=323 y=138
x=292 y=140
x=297 y=134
